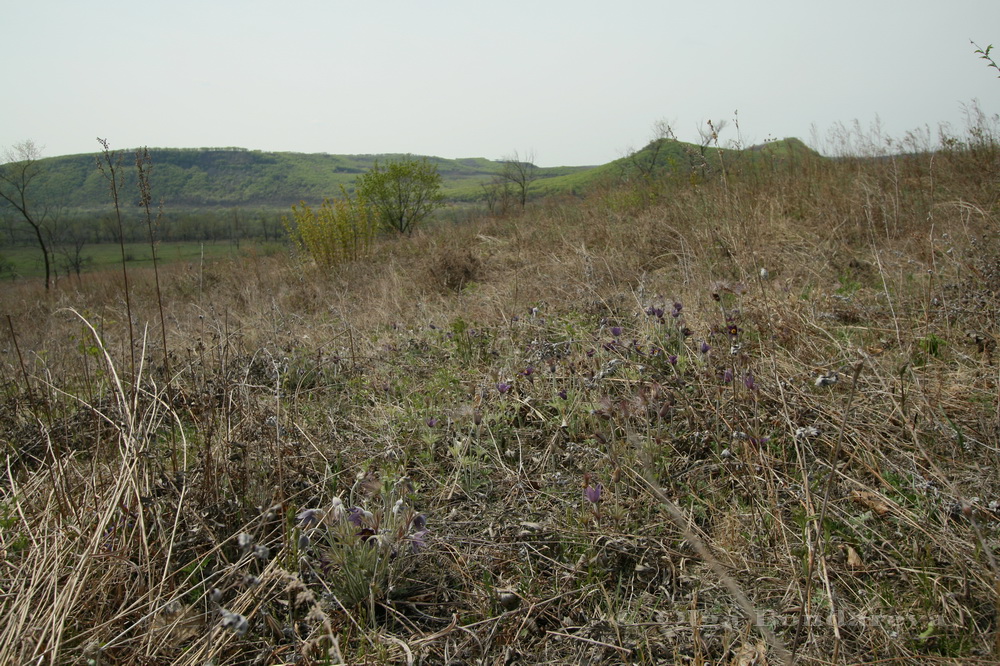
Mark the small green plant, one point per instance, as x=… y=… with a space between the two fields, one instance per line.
x=984 y=54
x=849 y=285
x=468 y=341
x=930 y=346
x=360 y=551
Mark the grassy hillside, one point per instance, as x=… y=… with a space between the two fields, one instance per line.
x=664 y=159
x=685 y=418
x=231 y=177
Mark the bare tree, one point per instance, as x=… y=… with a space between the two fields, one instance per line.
x=520 y=173
x=709 y=133
x=16 y=176
x=648 y=162
x=72 y=241
x=497 y=195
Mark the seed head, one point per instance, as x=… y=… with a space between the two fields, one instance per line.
x=827 y=379
x=234 y=622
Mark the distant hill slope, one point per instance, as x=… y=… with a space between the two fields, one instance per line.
x=229 y=177
x=671 y=156
x=202 y=178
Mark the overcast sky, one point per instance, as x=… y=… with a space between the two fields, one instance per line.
x=573 y=82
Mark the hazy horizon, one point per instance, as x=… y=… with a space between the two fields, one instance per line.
x=571 y=83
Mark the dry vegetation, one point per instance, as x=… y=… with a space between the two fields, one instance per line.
x=712 y=422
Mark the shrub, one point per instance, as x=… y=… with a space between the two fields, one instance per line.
x=339 y=230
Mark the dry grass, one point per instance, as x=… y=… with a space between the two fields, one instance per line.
x=481 y=377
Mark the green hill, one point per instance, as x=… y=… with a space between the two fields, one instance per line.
x=205 y=178
x=229 y=177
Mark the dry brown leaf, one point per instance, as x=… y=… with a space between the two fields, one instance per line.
x=751 y=655
x=870 y=500
x=853 y=559
x=179 y=622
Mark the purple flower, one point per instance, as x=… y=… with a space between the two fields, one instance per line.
x=676 y=312
x=503 y=387
x=432 y=422
x=418 y=521
x=672 y=359
x=749 y=382
x=593 y=493
x=418 y=541
x=616 y=331
x=727 y=376
x=527 y=372
x=562 y=394
x=356 y=515
x=705 y=347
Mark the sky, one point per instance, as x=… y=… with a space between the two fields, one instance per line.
x=567 y=82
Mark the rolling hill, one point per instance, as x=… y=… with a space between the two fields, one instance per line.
x=205 y=178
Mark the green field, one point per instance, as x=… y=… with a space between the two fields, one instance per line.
x=26 y=262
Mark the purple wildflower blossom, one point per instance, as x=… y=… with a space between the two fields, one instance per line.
x=503 y=387
x=309 y=518
x=593 y=493
x=356 y=515
x=418 y=540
